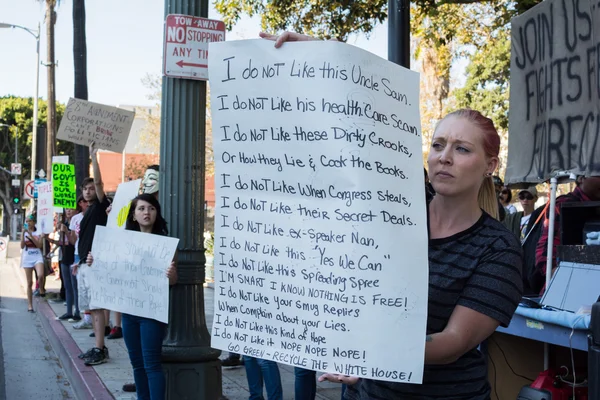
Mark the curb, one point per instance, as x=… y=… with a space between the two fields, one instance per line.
x=84 y=380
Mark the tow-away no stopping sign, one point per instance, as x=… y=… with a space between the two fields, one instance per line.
x=186 y=45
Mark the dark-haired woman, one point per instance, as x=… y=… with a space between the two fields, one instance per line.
x=32 y=258
x=144 y=336
x=505 y=198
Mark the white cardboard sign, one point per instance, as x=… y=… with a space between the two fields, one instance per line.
x=126 y=192
x=85 y=122
x=45 y=209
x=320 y=229
x=129 y=272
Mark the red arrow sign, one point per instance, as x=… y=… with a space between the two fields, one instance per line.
x=182 y=63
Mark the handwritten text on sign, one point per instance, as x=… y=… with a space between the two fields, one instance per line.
x=63 y=184
x=85 y=122
x=45 y=209
x=555 y=91
x=129 y=272
x=320 y=232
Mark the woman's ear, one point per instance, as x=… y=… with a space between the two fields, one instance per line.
x=492 y=165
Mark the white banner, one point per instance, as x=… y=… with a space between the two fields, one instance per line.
x=126 y=192
x=129 y=272
x=85 y=122
x=45 y=209
x=320 y=232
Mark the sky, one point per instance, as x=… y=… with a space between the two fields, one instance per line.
x=124 y=43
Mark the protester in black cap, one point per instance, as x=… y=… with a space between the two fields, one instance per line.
x=527 y=226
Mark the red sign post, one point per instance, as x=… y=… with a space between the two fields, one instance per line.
x=186 y=45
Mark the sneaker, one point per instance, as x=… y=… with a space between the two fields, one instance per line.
x=64 y=317
x=75 y=318
x=83 y=324
x=115 y=333
x=88 y=353
x=232 y=362
x=85 y=355
x=129 y=387
x=97 y=357
x=106 y=332
x=36 y=292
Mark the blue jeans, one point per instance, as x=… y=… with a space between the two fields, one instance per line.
x=74 y=282
x=143 y=338
x=258 y=369
x=305 y=384
x=70 y=289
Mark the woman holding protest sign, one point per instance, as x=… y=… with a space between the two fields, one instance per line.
x=144 y=336
x=474 y=263
x=32 y=258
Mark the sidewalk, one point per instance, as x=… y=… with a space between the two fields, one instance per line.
x=106 y=380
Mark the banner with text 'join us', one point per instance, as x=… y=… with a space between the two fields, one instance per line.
x=554 y=119
x=320 y=230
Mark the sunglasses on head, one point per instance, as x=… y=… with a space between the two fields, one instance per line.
x=525 y=196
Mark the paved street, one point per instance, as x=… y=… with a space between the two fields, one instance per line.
x=29 y=367
x=38 y=353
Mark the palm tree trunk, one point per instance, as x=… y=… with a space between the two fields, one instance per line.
x=82 y=155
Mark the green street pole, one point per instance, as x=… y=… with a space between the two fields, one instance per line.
x=192 y=367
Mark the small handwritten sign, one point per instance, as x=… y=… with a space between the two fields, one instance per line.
x=320 y=230
x=120 y=206
x=85 y=122
x=63 y=184
x=129 y=272
x=45 y=209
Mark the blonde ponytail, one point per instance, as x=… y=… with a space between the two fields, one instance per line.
x=487 y=198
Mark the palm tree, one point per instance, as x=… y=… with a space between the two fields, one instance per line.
x=81 y=89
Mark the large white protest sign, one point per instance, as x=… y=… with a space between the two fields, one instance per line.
x=320 y=231
x=554 y=123
x=45 y=209
x=129 y=272
x=126 y=192
x=85 y=122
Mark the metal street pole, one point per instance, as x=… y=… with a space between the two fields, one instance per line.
x=399 y=32
x=192 y=367
x=36 y=35
x=35 y=108
x=16 y=145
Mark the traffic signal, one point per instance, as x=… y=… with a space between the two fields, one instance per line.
x=16 y=195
